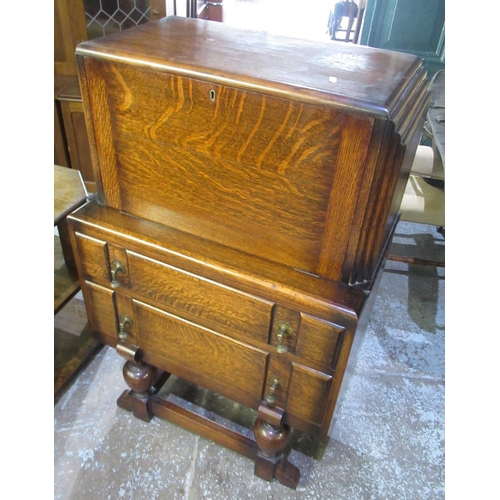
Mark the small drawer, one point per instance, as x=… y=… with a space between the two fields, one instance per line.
x=319 y=340
x=93 y=257
x=201 y=300
x=308 y=393
x=101 y=312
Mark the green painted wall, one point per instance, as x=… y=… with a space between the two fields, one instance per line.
x=414 y=26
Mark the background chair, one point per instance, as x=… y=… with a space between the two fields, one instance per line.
x=353 y=12
x=424 y=203
x=428 y=164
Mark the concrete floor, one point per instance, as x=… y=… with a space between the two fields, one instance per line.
x=386 y=440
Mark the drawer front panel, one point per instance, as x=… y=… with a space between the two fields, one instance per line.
x=308 y=392
x=214 y=357
x=94 y=257
x=101 y=311
x=201 y=300
x=319 y=340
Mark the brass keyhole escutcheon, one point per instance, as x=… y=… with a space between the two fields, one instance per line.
x=284 y=331
x=125 y=321
x=271 y=394
x=212 y=95
x=116 y=267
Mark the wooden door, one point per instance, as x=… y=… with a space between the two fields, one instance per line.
x=69 y=31
x=413 y=26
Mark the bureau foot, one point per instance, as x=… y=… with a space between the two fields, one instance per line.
x=272 y=437
x=279 y=468
x=144 y=380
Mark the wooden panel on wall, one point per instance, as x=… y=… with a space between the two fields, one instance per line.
x=60 y=148
x=69 y=30
x=77 y=138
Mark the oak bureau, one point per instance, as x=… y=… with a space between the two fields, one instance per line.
x=247 y=189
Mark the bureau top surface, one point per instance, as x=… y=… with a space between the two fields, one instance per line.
x=341 y=75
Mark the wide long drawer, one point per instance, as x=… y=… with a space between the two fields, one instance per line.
x=203 y=356
x=176 y=345
x=209 y=303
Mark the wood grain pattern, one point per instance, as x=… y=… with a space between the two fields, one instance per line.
x=359 y=249
x=243 y=179
x=308 y=393
x=390 y=174
x=319 y=340
x=244 y=158
x=101 y=311
x=95 y=98
x=278 y=150
x=344 y=196
x=205 y=301
x=94 y=258
x=289 y=153
x=367 y=81
x=216 y=358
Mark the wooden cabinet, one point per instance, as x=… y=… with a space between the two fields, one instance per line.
x=212 y=328
x=243 y=211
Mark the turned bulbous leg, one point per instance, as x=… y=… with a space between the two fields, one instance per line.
x=271 y=439
x=139 y=377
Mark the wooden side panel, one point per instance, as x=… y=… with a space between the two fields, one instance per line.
x=211 y=160
x=393 y=150
x=181 y=347
x=97 y=115
x=199 y=299
x=356 y=137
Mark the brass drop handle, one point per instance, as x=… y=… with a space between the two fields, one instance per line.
x=124 y=322
x=271 y=395
x=284 y=331
x=116 y=267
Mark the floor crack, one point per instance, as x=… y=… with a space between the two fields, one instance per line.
x=188 y=482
